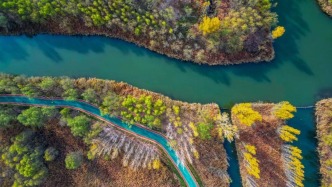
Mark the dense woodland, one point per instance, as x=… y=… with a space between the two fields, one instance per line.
x=37 y=144
x=324 y=134
x=264 y=148
x=187 y=126
x=212 y=32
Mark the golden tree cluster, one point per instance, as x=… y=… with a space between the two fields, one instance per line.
x=278 y=32
x=284 y=110
x=288 y=133
x=252 y=164
x=209 y=25
x=245 y=114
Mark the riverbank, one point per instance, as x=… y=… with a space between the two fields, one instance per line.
x=326 y=6
x=182 y=123
x=179 y=31
x=324 y=134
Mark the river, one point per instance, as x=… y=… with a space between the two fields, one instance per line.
x=300 y=73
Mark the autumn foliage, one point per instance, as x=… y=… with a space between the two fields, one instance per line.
x=284 y=110
x=288 y=133
x=209 y=25
x=278 y=32
x=245 y=114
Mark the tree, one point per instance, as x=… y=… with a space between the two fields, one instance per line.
x=245 y=114
x=278 y=32
x=47 y=84
x=36 y=116
x=6 y=117
x=204 y=130
x=29 y=90
x=288 y=133
x=283 y=110
x=70 y=94
x=3 y=21
x=90 y=96
x=73 y=160
x=111 y=104
x=50 y=154
x=79 y=125
x=209 y=25
x=24 y=156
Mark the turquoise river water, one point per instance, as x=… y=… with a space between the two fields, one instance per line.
x=300 y=73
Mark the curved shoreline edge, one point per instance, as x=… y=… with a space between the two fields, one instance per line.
x=137 y=130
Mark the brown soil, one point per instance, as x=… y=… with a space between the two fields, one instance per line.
x=324 y=128
x=264 y=137
x=98 y=172
x=212 y=159
x=76 y=27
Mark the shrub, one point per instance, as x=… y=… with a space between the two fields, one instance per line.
x=73 y=160
x=50 y=154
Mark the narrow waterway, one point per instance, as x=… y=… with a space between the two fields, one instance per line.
x=91 y=110
x=300 y=73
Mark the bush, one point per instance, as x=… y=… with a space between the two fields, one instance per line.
x=50 y=154
x=73 y=160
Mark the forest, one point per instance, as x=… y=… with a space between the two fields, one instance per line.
x=188 y=127
x=211 y=32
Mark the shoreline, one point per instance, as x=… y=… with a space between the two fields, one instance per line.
x=323 y=130
x=52 y=28
x=325 y=8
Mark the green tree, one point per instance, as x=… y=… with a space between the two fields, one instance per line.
x=47 y=84
x=73 y=160
x=50 y=154
x=24 y=156
x=35 y=116
x=90 y=96
x=204 y=130
x=79 y=125
x=6 y=117
x=70 y=94
x=111 y=104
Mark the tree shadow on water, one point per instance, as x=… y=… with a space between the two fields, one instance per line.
x=10 y=49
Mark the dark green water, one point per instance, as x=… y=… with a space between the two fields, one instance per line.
x=300 y=73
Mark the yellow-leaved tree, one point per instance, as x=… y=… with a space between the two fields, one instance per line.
x=278 y=32
x=245 y=114
x=209 y=25
x=288 y=133
x=283 y=110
